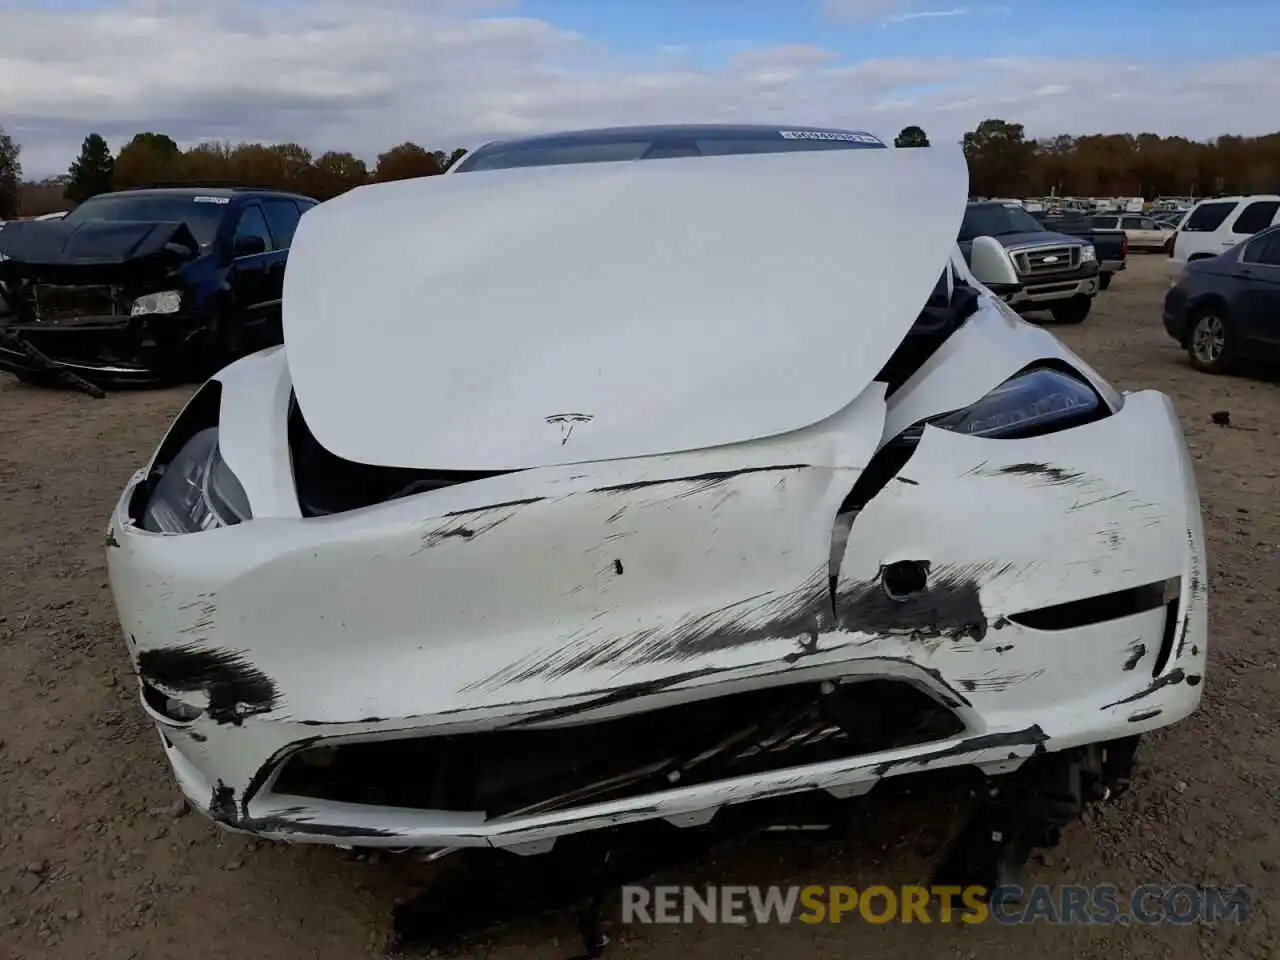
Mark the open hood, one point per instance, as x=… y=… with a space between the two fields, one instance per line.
x=566 y=314
x=92 y=251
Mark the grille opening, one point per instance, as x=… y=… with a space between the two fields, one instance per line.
x=326 y=483
x=506 y=772
x=1100 y=608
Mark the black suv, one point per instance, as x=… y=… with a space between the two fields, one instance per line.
x=146 y=286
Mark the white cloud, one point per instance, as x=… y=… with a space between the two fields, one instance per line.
x=341 y=74
x=926 y=15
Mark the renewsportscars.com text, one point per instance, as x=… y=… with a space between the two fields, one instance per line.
x=1068 y=904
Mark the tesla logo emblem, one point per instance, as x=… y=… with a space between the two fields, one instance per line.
x=1050 y=260
x=567 y=421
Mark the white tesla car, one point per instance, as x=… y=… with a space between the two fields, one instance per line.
x=627 y=475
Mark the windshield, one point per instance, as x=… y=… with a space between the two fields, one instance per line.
x=997 y=220
x=655 y=143
x=200 y=213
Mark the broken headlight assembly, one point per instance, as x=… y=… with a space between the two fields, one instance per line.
x=196 y=491
x=1032 y=403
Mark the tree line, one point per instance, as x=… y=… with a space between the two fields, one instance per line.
x=1003 y=161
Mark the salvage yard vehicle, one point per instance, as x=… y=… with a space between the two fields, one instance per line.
x=1110 y=246
x=602 y=517
x=1218 y=224
x=146 y=286
x=1055 y=272
x=1143 y=233
x=1223 y=309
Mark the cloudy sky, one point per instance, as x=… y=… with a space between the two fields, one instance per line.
x=362 y=75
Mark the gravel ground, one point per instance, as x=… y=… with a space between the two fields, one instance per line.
x=99 y=859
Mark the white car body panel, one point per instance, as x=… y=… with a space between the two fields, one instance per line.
x=567 y=593
x=459 y=341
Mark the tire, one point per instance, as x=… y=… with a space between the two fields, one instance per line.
x=1104 y=281
x=1072 y=311
x=1211 y=341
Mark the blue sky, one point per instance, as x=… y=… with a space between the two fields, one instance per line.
x=1167 y=29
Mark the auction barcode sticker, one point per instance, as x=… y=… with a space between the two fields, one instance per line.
x=840 y=135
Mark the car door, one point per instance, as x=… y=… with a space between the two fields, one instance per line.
x=282 y=217
x=1152 y=237
x=252 y=250
x=1259 y=274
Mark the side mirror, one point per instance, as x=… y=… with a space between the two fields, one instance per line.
x=992 y=266
x=247 y=245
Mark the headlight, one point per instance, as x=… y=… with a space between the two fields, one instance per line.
x=197 y=491
x=1035 y=402
x=1088 y=254
x=166 y=301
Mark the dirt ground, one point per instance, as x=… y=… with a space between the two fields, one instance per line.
x=98 y=860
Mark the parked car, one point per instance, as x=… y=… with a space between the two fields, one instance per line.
x=1056 y=272
x=1143 y=233
x=1215 y=225
x=1110 y=247
x=146 y=286
x=1226 y=309
x=582 y=513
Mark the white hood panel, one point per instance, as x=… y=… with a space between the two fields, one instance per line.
x=468 y=322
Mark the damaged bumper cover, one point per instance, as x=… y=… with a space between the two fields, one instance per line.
x=381 y=677
x=116 y=350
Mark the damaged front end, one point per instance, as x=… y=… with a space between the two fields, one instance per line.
x=99 y=301
x=363 y=623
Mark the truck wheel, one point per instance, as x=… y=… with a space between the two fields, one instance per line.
x=1211 y=344
x=1073 y=310
x=1104 y=281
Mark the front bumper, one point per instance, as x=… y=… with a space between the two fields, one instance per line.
x=1042 y=292
x=436 y=617
x=107 y=350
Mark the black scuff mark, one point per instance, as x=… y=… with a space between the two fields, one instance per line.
x=999 y=684
x=799 y=613
x=1136 y=650
x=1041 y=471
x=502 y=505
x=1194 y=588
x=616 y=515
x=1085 y=504
x=1004 y=648
x=1193 y=680
x=950 y=605
x=908 y=481
x=1032 y=736
x=197 y=736
x=700 y=481
x=1172 y=678
x=623 y=694
x=111 y=539
x=1145 y=715
x=617 y=566
x=234 y=686
x=204 y=610
x=457 y=530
